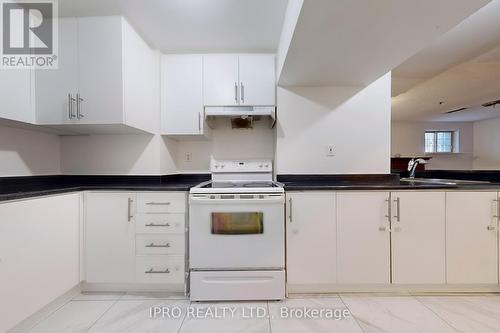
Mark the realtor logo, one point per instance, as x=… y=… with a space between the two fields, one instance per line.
x=29 y=34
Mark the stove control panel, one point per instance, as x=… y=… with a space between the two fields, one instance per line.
x=242 y=166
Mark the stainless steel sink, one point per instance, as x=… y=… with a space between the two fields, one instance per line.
x=436 y=181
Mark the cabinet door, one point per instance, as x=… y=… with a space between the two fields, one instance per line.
x=15 y=95
x=257 y=79
x=418 y=237
x=52 y=87
x=220 y=80
x=471 y=237
x=100 y=69
x=311 y=238
x=39 y=249
x=363 y=238
x=182 y=92
x=109 y=237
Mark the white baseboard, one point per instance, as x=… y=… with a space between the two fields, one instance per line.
x=31 y=321
x=133 y=287
x=390 y=289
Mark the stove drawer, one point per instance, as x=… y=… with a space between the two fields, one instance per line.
x=161 y=202
x=160 y=244
x=159 y=269
x=160 y=223
x=237 y=285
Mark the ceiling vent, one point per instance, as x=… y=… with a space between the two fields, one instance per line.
x=457 y=110
x=492 y=103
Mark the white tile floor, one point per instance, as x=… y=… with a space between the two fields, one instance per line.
x=368 y=313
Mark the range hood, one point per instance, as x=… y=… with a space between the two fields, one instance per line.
x=242 y=112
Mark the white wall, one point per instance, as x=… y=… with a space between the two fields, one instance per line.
x=28 y=153
x=408 y=140
x=487 y=144
x=117 y=155
x=356 y=121
x=159 y=155
x=226 y=143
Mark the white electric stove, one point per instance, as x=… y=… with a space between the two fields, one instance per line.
x=237 y=234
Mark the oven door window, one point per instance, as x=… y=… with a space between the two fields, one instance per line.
x=237 y=223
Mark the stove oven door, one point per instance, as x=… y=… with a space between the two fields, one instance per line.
x=236 y=232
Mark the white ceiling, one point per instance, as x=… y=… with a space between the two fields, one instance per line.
x=460 y=69
x=353 y=42
x=176 y=26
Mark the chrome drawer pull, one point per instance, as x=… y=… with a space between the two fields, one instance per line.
x=491 y=228
x=157 y=225
x=155 y=245
x=151 y=271
x=152 y=203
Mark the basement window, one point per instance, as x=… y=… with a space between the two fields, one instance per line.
x=441 y=141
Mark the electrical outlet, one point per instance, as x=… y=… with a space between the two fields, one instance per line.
x=330 y=151
x=188 y=157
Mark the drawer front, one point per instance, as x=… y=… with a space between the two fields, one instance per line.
x=161 y=203
x=160 y=223
x=159 y=269
x=160 y=244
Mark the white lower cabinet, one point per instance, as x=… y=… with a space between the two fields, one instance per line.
x=136 y=238
x=109 y=237
x=472 y=237
x=363 y=238
x=418 y=237
x=39 y=254
x=310 y=237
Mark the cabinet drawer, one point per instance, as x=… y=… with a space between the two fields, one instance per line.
x=161 y=202
x=160 y=244
x=160 y=223
x=159 y=269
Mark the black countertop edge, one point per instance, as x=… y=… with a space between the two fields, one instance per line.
x=12 y=188
x=329 y=178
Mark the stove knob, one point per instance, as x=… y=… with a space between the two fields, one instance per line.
x=267 y=165
x=222 y=166
x=216 y=166
x=260 y=165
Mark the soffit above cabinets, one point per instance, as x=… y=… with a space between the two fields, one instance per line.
x=352 y=43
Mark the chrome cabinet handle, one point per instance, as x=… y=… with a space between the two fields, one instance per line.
x=290 y=210
x=199 y=122
x=129 y=209
x=242 y=93
x=491 y=228
x=398 y=209
x=382 y=228
x=152 y=203
x=71 y=100
x=236 y=92
x=158 y=225
x=156 y=245
x=497 y=216
x=151 y=271
x=79 y=100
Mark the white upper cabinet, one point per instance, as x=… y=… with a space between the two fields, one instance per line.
x=257 y=79
x=56 y=89
x=310 y=239
x=247 y=79
x=100 y=70
x=363 y=238
x=16 y=95
x=108 y=76
x=418 y=237
x=471 y=237
x=182 y=95
x=220 y=79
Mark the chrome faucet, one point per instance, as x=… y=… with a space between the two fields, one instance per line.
x=412 y=165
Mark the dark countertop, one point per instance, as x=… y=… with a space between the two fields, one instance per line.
x=12 y=188
x=366 y=182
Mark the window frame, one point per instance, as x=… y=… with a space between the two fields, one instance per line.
x=453 y=142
